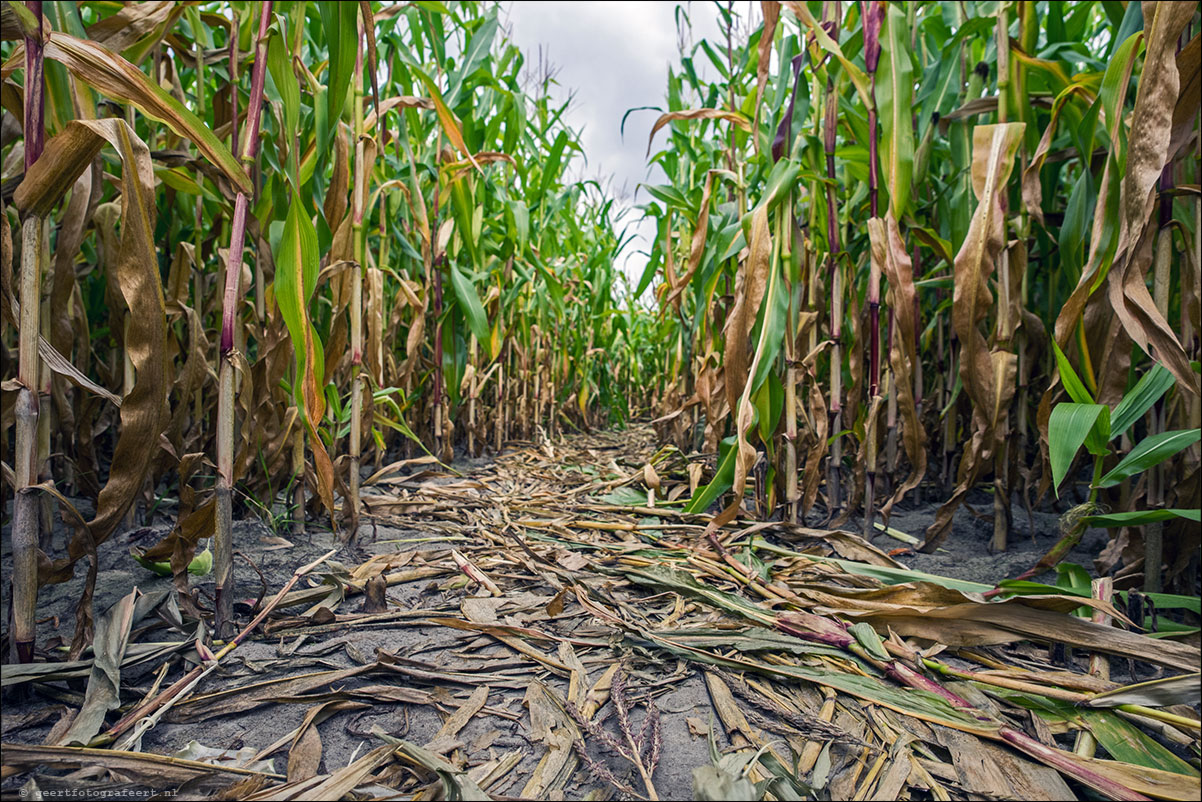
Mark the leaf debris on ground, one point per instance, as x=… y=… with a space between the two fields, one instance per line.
x=555 y=620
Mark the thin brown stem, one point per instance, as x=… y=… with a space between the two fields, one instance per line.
x=223 y=556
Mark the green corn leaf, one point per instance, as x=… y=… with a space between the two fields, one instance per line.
x=1078 y=217
x=518 y=217
x=1023 y=587
x=625 y=496
x=398 y=424
x=279 y=63
x=1147 y=391
x=1075 y=579
x=1151 y=451
x=1141 y=517
x=464 y=209
x=738 y=241
x=1098 y=440
x=936 y=243
x=1117 y=80
x=551 y=166
x=340 y=21
x=116 y=78
x=645 y=280
x=895 y=98
x=723 y=479
x=1124 y=741
x=780 y=183
x=446 y=118
x=769 y=403
x=670 y=196
x=857 y=75
x=1171 y=601
x=474 y=55
x=25 y=19
x=772 y=332
x=869 y=639
x=295 y=281
x=1068 y=428
x=469 y=301
x=1069 y=378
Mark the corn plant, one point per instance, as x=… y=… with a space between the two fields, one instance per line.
x=1083 y=422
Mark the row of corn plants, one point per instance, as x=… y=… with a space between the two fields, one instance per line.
x=253 y=250
x=891 y=232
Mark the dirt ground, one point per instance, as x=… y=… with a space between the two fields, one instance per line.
x=443 y=638
x=965 y=554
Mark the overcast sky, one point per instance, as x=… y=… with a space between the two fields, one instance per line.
x=614 y=56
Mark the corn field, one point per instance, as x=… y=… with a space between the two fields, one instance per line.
x=258 y=255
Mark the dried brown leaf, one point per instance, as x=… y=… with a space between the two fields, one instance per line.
x=112 y=75
x=1148 y=152
x=890 y=252
x=697 y=114
x=985 y=373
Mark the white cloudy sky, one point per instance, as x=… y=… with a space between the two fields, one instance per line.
x=614 y=56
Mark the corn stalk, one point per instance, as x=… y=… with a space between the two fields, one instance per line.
x=223 y=553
